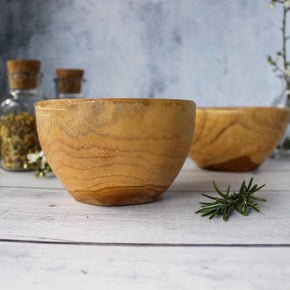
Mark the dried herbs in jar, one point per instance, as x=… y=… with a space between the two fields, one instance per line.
x=18 y=126
x=18 y=138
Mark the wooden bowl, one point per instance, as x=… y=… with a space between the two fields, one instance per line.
x=115 y=151
x=236 y=139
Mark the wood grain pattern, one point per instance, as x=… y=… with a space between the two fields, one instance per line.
x=59 y=267
x=50 y=241
x=191 y=178
x=115 y=151
x=237 y=139
x=45 y=215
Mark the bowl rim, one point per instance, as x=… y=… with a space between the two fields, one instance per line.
x=242 y=109
x=50 y=102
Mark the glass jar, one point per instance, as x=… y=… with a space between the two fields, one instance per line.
x=69 y=83
x=18 y=126
x=283 y=101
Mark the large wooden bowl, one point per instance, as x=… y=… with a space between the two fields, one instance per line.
x=115 y=151
x=236 y=139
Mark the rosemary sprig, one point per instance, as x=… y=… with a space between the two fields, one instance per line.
x=242 y=201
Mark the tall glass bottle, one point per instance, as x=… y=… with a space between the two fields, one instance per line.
x=69 y=83
x=18 y=126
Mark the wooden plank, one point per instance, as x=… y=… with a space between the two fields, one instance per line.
x=26 y=179
x=191 y=178
x=271 y=164
x=39 y=266
x=201 y=181
x=274 y=173
x=52 y=215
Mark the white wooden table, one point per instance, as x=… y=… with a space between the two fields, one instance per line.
x=50 y=241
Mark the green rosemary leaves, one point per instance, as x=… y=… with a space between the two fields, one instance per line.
x=228 y=202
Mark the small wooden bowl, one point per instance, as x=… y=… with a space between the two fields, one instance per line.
x=237 y=139
x=115 y=151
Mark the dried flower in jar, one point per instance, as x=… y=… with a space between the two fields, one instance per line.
x=18 y=138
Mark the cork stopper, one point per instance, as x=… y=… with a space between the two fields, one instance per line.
x=23 y=73
x=69 y=81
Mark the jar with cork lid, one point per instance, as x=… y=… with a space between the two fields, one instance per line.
x=18 y=126
x=69 y=83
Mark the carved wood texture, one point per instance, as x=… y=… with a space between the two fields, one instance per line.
x=115 y=151
x=236 y=139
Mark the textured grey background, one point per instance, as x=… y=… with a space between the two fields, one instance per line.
x=210 y=51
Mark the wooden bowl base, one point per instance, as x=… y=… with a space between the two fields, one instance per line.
x=240 y=164
x=117 y=196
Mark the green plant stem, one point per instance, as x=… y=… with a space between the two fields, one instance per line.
x=224 y=205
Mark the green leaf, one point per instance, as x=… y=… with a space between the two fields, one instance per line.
x=218 y=191
x=241 y=202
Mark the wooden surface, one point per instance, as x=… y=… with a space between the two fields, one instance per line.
x=50 y=241
x=115 y=151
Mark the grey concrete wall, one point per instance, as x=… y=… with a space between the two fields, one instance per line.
x=210 y=51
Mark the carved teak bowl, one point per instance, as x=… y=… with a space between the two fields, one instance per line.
x=115 y=151
x=237 y=139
